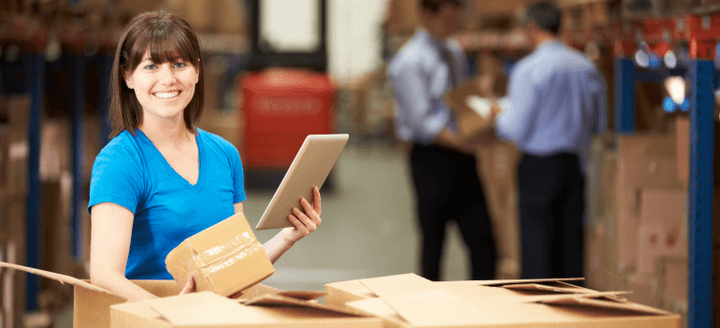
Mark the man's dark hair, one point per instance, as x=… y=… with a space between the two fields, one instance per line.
x=434 y=6
x=546 y=15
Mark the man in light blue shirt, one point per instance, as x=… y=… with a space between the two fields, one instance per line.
x=557 y=102
x=444 y=168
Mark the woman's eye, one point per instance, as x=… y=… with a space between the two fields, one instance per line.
x=179 y=65
x=151 y=66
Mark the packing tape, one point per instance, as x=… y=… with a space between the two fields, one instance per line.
x=216 y=253
x=231 y=260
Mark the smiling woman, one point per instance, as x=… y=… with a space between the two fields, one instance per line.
x=160 y=179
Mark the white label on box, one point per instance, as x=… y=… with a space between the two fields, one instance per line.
x=483 y=105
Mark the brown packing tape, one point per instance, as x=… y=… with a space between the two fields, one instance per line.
x=55 y=276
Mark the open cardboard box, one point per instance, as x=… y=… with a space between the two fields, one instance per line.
x=473 y=113
x=412 y=301
x=258 y=306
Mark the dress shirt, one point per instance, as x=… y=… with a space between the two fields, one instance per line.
x=420 y=77
x=557 y=102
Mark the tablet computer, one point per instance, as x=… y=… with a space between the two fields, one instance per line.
x=310 y=168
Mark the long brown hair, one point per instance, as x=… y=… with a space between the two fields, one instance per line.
x=166 y=36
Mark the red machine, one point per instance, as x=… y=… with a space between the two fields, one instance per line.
x=281 y=108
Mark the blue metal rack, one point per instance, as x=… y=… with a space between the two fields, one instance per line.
x=700 y=191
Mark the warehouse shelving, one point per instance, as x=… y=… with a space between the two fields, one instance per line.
x=700 y=32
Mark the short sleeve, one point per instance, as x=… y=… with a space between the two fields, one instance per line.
x=238 y=175
x=117 y=177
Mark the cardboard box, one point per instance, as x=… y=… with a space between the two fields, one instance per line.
x=407 y=301
x=97 y=308
x=674 y=278
x=682 y=133
x=595 y=261
x=225 y=258
x=645 y=290
x=644 y=160
x=497 y=165
x=274 y=310
x=662 y=231
x=471 y=122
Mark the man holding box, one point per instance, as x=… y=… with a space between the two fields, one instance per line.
x=557 y=102
x=443 y=165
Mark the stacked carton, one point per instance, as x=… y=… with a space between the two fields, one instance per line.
x=14 y=111
x=637 y=238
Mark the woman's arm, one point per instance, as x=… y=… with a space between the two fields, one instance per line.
x=109 y=248
x=305 y=223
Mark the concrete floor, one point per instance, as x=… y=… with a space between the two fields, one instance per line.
x=368 y=227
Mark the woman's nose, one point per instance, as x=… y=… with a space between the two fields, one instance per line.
x=167 y=74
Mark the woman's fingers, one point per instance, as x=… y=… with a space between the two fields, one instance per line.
x=310 y=211
x=189 y=286
x=304 y=219
x=301 y=229
x=316 y=200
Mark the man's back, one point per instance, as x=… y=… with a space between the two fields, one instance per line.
x=558 y=101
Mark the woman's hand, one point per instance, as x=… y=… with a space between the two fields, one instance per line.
x=305 y=222
x=189 y=286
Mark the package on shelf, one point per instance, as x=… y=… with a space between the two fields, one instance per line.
x=497 y=166
x=411 y=301
x=13 y=221
x=644 y=161
x=597 y=176
x=217 y=16
x=56 y=148
x=259 y=305
x=645 y=290
x=673 y=276
x=662 y=229
x=595 y=257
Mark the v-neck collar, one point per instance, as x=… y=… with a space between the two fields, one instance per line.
x=199 y=184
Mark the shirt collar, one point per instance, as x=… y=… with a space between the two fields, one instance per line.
x=428 y=38
x=548 y=44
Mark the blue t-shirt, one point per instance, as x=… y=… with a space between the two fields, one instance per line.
x=132 y=173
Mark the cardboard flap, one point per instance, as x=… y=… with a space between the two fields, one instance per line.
x=546 y=288
x=199 y=309
x=56 y=276
x=282 y=300
x=435 y=309
x=398 y=285
x=596 y=301
x=502 y=283
x=303 y=294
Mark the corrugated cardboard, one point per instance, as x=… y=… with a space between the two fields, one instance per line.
x=225 y=258
x=488 y=306
x=92 y=308
x=662 y=229
x=674 y=277
x=645 y=290
x=206 y=309
x=470 y=123
x=594 y=259
x=682 y=132
x=644 y=160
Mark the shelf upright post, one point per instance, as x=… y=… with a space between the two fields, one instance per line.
x=76 y=108
x=34 y=71
x=700 y=198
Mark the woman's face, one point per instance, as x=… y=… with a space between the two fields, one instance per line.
x=163 y=89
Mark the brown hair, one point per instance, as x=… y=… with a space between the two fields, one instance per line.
x=166 y=36
x=434 y=6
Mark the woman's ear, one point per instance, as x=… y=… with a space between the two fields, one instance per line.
x=128 y=80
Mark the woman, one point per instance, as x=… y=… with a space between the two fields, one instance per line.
x=161 y=179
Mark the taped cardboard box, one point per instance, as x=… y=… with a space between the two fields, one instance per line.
x=225 y=258
x=644 y=160
x=662 y=230
x=411 y=301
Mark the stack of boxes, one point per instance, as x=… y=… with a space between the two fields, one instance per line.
x=637 y=236
x=14 y=147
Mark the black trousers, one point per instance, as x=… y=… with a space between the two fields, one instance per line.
x=552 y=204
x=448 y=188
